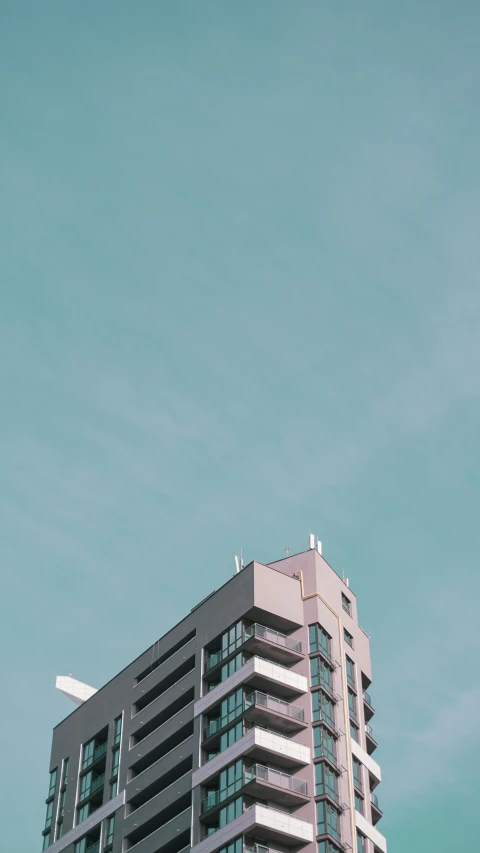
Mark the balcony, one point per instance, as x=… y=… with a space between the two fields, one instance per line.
x=259 y=640
x=98 y=753
x=96 y=785
x=272 y=645
x=273 y=824
x=210 y=802
x=377 y=813
x=277 y=787
x=268 y=710
x=367 y=706
x=265 y=783
x=262 y=709
x=371 y=742
x=260 y=745
x=260 y=674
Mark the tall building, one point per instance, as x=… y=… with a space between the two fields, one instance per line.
x=244 y=729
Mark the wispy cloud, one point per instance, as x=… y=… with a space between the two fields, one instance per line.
x=431 y=690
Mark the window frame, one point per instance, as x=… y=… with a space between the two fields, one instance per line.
x=324 y=749
x=52 y=785
x=350 y=671
x=323 y=785
x=117 y=730
x=319 y=702
x=321 y=642
x=357 y=773
x=326 y=826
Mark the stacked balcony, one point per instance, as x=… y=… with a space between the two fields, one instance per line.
x=253 y=703
x=269 y=822
x=92 y=776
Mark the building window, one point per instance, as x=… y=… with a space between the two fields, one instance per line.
x=328 y=820
x=46 y=841
x=88 y=752
x=346 y=604
x=231 y=780
x=230 y=709
x=232 y=639
x=352 y=705
x=229 y=642
x=83 y=812
x=48 y=816
x=350 y=666
x=113 y=789
x=53 y=783
x=322 y=708
x=110 y=826
x=236 y=846
x=357 y=774
x=348 y=637
x=230 y=812
x=61 y=804
x=85 y=785
x=231 y=736
x=65 y=772
x=92 y=750
x=319 y=640
x=59 y=829
x=354 y=732
x=115 y=761
x=321 y=674
x=117 y=730
x=358 y=803
x=324 y=744
x=361 y=845
x=232 y=666
x=325 y=781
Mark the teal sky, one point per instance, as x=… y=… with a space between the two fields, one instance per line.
x=239 y=273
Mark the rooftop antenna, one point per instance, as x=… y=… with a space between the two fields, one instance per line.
x=239 y=562
x=287 y=551
x=314 y=543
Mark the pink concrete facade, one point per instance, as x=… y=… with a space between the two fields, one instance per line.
x=304 y=598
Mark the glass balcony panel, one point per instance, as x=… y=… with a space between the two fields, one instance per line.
x=272 y=636
x=274 y=704
x=276 y=777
